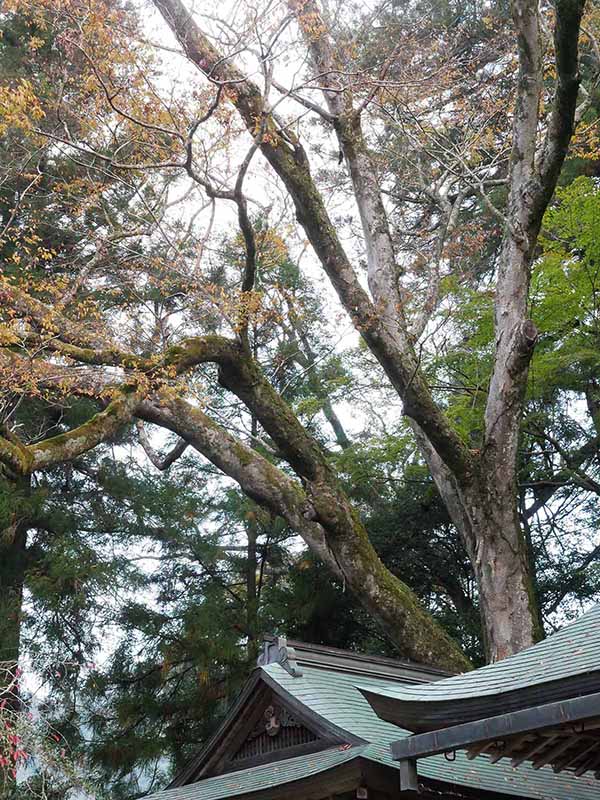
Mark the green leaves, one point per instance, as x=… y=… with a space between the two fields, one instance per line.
x=565 y=291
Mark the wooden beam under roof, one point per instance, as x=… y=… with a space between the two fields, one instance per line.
x=565 y=736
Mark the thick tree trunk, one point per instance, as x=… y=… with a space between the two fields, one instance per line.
x=486 y=516
x=506 y=596
x=507 y=599
x=485 y=513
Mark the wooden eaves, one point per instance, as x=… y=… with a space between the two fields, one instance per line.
x=565 y=735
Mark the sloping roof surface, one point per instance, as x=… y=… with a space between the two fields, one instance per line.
x=337 y=698
x=263 y=777
x=573 y=650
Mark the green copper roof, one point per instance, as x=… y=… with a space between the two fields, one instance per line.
x=572 y=651
x=263 y=777
x=337 y=699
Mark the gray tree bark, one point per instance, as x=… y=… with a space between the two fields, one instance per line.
x=479 y=488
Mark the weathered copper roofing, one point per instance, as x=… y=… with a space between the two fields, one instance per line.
x=563 y=666
x=261 y=778
x=328 y=693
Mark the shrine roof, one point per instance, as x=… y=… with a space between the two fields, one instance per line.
x=563 y=666
x=331 y=693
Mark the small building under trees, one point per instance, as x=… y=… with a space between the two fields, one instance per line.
x=319 y=723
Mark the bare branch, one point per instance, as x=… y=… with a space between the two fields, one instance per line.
x=160 y=462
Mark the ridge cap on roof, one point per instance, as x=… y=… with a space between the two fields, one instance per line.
x=293 y=654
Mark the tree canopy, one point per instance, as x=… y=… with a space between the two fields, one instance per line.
x=298 y=333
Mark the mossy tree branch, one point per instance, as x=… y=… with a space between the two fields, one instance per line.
x=317 y=509
x=24 y=459
x=320 y=512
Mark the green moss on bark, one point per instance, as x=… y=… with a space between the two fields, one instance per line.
x=100 y=427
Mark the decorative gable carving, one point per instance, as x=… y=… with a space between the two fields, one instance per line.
x=276 y=729
x=265 y=727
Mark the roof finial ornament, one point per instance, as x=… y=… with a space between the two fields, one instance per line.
x=277 y=651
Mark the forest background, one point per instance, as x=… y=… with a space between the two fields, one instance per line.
x=256 y=264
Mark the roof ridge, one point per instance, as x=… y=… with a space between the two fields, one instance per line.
x=292 y=654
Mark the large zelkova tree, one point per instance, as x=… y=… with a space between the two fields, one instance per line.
x=137 y=328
